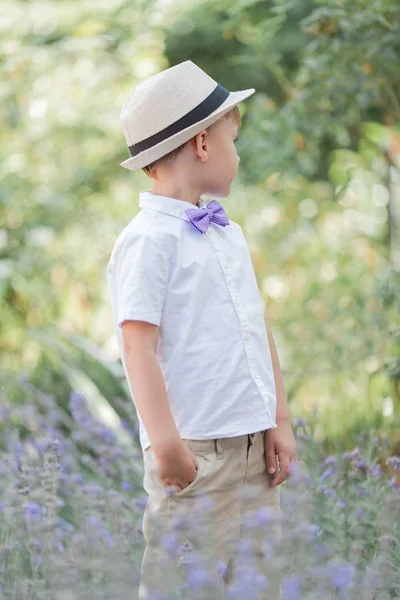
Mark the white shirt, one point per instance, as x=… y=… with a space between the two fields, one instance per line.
x=201 y=290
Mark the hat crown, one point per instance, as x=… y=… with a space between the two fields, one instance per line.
x=162 y=99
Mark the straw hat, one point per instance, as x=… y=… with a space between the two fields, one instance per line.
x=169 y=108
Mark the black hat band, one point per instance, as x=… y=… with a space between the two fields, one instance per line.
x=200 y=112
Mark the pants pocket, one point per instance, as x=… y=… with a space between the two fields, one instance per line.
x=201 y=463
x=152 y=483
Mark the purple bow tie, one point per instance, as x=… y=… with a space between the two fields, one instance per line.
x=200 y=218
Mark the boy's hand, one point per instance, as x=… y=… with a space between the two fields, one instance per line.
x=280 y=442
x=177 y=468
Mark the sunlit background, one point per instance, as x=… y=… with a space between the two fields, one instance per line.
x=318 y=192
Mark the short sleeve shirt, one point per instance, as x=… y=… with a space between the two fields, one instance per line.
x=201 y=290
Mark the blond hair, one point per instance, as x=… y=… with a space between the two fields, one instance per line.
x=151 y=169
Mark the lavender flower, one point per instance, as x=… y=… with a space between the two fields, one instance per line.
x=292 y=588
x=342 y=576
x=339 y=517
x=393 y=461
x=33 y=511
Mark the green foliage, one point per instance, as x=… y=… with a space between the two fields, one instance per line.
x=319 y=68
x=318 y=192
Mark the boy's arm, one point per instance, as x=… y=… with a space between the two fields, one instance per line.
x=148 y=386
x=282 y=407
x=279 y=441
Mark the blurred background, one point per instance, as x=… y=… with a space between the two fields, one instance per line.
x=318 y=193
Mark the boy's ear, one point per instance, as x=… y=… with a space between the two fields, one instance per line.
x=200 y=144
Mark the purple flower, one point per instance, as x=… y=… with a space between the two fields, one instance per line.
x=309 y=529
x=243 y=545
x=321 y=550
x=77 y=478
x=248 y=583
x=77 y=404
x=327 y=491
x=222 y=567
x=342 y=576
x=198 y=577
x=171 y=543
x=355 y=453
x=326 y=474
x=377 y=471
x=94 y=490
x=99 y=530
x=57 y=546
x=94 y=521
x=128 y=427
x=291 y=588
x=107 y=435
x=393 y=461
x=141 y=502
x=126 y=486
x=264 y=516
x=32 y=511
x=361 y=464
x=298 y=475
x=314 y=529
x=330 y=460
x=65 y=525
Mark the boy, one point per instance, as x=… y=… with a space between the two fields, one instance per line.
x=200 y=361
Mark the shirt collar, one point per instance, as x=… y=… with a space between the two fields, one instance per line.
x=166 y=204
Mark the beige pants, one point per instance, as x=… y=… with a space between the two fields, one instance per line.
x=217 y=533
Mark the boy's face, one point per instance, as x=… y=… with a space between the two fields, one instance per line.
x=222 y=163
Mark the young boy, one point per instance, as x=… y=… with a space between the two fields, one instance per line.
x=200 y=361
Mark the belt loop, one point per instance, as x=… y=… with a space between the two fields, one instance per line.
x=218 y=448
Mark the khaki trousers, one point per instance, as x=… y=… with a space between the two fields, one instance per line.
x=217 y=534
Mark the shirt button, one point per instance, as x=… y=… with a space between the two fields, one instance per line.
x=247 y=336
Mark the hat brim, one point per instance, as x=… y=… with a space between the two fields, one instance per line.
x=134 y=163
